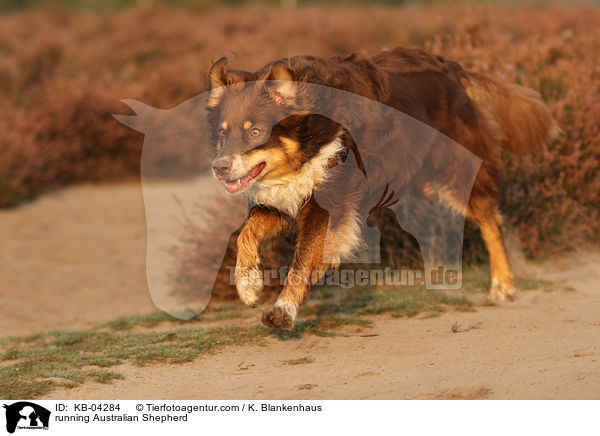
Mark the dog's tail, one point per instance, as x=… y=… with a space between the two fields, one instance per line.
x=522 y=120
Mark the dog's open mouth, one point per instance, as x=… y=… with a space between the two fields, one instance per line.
x=243 y=182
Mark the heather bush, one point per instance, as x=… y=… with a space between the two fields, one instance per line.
x=63 y=72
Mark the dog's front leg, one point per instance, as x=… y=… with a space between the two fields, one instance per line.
x=261 y=225
x=312 y=223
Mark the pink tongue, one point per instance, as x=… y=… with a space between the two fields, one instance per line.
x=243 y=182
x=238 y=184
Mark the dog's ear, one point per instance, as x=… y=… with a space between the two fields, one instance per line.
x=284 y=90
x=217 y=74
x=220 y=77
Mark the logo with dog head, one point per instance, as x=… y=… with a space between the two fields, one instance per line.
x=370 y=177
x=26 y=415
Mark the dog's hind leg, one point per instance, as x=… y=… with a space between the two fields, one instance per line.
x=261 y=225
x=484 y=212
x=308 y=261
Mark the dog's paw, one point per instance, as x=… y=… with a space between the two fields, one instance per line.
x=279 y=316
x=249 y=284
x=502 y=291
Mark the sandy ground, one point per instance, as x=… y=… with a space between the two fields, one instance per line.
x=544 y=347
x=76 y=258
x=67 y=258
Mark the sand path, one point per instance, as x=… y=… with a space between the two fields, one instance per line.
x=76 y=257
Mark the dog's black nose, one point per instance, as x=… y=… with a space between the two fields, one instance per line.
x=222 y=167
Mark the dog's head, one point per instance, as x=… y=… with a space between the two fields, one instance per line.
x=261 y=125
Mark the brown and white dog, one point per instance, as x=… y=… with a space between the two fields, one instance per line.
x=270 y=147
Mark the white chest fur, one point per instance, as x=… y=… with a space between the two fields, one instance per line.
x=288 y=194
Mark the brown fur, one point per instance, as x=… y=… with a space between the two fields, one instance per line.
x=519 y=116
x=479 y=112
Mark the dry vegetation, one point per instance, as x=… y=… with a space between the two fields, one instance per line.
x=62 y=72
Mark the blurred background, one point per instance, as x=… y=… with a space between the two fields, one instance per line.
x=65 y=65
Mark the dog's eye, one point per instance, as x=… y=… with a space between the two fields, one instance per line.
x=221 y=132
x=255 y=131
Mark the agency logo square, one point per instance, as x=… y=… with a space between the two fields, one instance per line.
x=25 y=415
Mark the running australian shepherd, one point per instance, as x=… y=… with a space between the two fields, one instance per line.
x=280 y=163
